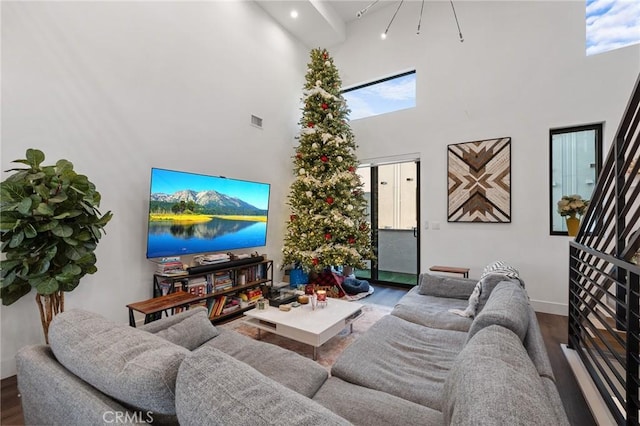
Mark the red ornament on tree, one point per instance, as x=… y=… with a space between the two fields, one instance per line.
x=324 y=158
x=325 y=106
x=352 y=240
x=315 y=261
x=352 y=169
x=330 y=200
x=327 y=236
x=299 y=155
x=311 y=124
x=293 y=217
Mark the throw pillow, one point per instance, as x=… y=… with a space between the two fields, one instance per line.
x=444 y=286
x=130 y=365
x=191 y=332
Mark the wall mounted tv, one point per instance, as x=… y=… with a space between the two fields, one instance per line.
x=192 y=213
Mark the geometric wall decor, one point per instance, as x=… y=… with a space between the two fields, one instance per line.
x=479 y=181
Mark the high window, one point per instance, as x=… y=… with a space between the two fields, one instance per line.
x=382 y=96
x=612 y=24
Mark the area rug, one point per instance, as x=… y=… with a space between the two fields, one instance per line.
x=327 y=353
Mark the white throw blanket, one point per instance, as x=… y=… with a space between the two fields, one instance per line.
x=498 y=267
x=474 y=299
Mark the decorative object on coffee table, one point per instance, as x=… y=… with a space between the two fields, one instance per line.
x=479 y=181
x=322 y=298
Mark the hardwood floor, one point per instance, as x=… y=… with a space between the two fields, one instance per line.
x=10 y=408
x=554 y=332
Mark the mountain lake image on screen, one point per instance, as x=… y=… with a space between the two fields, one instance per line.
x=193 y=213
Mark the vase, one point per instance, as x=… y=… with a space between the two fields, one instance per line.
x=573 y=224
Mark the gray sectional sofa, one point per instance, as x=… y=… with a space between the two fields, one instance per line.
x=421 y=365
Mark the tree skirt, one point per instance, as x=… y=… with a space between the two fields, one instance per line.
x=327 y=353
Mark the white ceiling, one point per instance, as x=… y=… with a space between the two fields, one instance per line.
x=320 y=23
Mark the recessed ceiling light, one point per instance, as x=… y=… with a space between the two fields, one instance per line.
x=294 y=14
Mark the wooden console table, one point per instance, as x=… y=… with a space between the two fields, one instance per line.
x=156 y=305
x=451 y=269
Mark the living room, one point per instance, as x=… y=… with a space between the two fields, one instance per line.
x=121 y=87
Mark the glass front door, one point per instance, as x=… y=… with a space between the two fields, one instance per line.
x=392 y=192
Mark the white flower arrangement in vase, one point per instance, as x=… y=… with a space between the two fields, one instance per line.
x=572 y=205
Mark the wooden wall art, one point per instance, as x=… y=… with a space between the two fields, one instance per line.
x=479 y=181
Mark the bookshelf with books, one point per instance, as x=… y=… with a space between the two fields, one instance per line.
x=226 y=289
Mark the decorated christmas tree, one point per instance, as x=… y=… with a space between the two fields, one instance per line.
x=328 y=224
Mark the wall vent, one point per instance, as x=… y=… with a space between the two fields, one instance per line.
x=256 y=121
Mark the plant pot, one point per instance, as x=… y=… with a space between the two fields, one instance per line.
x=573 y=224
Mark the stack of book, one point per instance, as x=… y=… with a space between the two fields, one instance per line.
x=169 y=266
x=165 y=287
x=254 y=273
x=213 y=258
x=223 y=305
x=222 y=281
x=232 y=304
x=250 y=297
x=197 y=286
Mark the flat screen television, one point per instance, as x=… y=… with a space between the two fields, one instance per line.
x=191 y=213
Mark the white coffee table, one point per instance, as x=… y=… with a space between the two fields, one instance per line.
x=304 y=324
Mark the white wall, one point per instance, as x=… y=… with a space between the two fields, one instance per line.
x=520 y=71
x=120 y=87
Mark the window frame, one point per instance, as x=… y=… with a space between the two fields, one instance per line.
x=599 y=129
x=379 y=81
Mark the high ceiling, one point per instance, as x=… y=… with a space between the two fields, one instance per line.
x=320 y=23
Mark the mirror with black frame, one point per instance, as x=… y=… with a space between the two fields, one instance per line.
x=575 y=155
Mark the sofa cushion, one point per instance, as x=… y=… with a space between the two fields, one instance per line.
x=507 y=306
x=493 y=379
x=401 y=358
x=555 y=401
x=488 y=284
x=130 y=365
x=443 y=286
x=52 y=395
x=431 y=311
x=370 y=407
x=190 y=331
x=279 y=364
x=216 y=389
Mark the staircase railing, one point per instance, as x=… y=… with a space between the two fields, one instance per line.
x=604 y=285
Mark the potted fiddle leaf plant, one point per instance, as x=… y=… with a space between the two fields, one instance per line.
x=49 y=227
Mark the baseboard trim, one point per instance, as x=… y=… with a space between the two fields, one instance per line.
x=550 y=307
x=8 y=368
x=596 y=404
